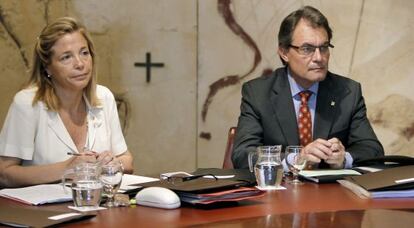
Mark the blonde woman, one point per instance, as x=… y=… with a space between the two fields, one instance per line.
x=62 y=117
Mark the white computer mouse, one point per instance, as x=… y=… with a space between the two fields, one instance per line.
x=158 y=197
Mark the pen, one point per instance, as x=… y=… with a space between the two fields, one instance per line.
x=91 y=153
x=74 y=154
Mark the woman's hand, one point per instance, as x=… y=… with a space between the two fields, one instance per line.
x=106 y=157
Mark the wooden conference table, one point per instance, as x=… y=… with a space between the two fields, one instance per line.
x=307 y=205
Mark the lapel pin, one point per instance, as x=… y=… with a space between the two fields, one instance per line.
x=332 y=103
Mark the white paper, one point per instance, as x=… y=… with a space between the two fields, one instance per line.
x=86 y=209
x=369 y=169
x=406 y=180
x=271 y=189
x=38 y=194
x=181 y=173
x=409 y=193
x=128 y=179
x=63 y=216
x=327 y=172
x=219 y=176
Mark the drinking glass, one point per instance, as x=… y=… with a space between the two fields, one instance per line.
x=295 y=161
x=111 y=177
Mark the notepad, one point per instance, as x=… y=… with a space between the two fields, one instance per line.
x=327 y=175
x=38 y=194
x=130 y=182
x=326 y=172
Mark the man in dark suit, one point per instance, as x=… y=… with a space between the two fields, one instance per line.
x=340 y=132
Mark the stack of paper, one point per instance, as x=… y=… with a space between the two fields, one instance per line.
x=327 y=175
x=131 y=182
x=38 y=194
x=55 y=193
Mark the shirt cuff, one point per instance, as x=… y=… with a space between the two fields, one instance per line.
x=285 y=166
x=348 y=161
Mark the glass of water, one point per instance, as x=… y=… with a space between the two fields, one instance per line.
x=295 y=161
x=111 y=177
x=87 y=193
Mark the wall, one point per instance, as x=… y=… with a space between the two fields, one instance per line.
x=179 y=120
x=373 y=45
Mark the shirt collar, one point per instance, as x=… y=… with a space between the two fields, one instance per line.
x=296 y=88
x=94 y=113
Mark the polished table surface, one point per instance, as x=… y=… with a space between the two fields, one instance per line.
x=376 y=218
x=327 y=203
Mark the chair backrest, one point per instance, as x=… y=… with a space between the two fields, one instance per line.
x=227 y=163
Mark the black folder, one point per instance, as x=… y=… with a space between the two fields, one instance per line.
x=36 y=217
x=239 y=174
x=242 y=178
x=200 y=185
x=398 y=178
x=386 y=161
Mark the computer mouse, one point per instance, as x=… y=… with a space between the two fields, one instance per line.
x=158 y=197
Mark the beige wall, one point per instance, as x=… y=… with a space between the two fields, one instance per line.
x=165 y=127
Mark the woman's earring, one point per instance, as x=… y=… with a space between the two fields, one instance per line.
x=49 y=76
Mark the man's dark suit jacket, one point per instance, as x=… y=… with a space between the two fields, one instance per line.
x=268 y=117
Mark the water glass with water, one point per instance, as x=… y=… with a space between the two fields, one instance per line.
x=111 y=177
x=296 y=162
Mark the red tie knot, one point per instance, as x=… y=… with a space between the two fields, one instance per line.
x=304 y=95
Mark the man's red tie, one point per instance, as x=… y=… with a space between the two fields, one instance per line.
x=305 y=119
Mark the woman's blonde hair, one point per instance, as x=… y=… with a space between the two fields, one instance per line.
x=42 y=57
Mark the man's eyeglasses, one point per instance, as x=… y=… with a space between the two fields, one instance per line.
x=174 y=179
x=308 y=49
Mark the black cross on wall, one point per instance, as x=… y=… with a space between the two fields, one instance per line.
x=148 y=64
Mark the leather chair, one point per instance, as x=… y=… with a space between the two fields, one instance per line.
x=227 y=163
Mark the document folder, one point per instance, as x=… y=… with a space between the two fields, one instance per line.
x=398 y=178
x=26 y=217
x=237 y=174
x=386 y=161
x=197 y=185
x=389 y=183
x=227 y=186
